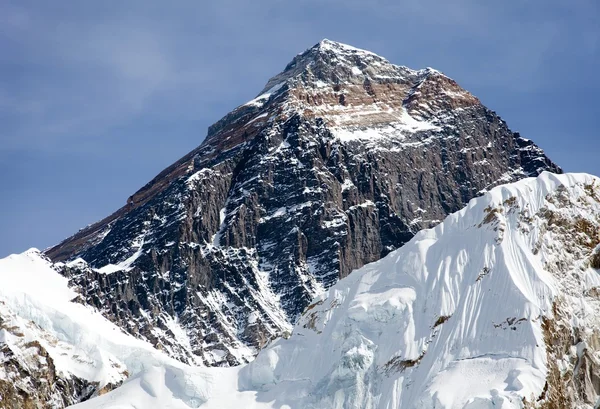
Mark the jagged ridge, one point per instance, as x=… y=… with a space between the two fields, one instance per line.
x=340 y=160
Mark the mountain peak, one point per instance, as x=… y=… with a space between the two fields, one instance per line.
x=350 y=89
x=335 y=46
x=341 y=160
x=333 y=62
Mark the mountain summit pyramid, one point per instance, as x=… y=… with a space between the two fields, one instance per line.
x=342 y=158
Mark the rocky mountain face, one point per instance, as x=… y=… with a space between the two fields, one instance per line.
x=341 y=159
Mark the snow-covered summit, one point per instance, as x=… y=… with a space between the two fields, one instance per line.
x=361 y=95
x=329 y=62
x=335 y=46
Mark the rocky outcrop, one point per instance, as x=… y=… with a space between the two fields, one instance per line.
x=342 y=158
x=29 y=377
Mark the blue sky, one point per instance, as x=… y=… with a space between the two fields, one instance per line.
x=98 y=97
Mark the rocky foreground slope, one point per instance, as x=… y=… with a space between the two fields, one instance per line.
x=341 y=159
x=496 y=307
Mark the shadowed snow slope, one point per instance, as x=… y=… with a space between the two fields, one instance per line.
x=496 y=307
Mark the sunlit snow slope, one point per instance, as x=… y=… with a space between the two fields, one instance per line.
x=479 y=312
x=497 y=307
x=48 y=341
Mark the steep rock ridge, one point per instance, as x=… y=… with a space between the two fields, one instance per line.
x=341 y=159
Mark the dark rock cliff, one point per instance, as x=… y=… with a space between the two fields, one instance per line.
x=342 y=158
